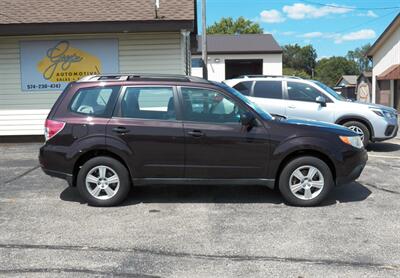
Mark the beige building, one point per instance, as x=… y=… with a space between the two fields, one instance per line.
x=46 y=45
x=385 y=55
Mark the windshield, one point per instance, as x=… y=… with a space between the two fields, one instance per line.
x=329 y=90
x=265 y=115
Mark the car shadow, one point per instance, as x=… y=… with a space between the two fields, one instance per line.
x=383 y=147
x=354 y=192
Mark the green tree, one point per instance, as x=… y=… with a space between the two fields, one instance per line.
x=296 y=72
x=299 y=58
x=359 y=55
x=329 y=70
x=239 y=26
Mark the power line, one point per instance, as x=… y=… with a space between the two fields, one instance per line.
x=367 y=22
x=351 y=8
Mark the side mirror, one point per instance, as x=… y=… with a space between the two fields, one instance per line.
x=321 y=100
x=247 y=119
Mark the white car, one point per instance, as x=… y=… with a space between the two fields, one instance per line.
x=294 y=97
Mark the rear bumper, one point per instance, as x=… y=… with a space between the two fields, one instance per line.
x=51 y=163
x=60 y=175
x=352 y=167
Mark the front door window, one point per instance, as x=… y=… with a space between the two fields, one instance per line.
x=202 y=105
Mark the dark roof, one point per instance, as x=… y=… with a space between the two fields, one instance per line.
x=388 y=31
x=351 y=80
x=106 y=13
x=240 y=44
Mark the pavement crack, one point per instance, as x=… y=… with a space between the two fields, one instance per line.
x=20 y=175
x=382 y=188
x=332 y=262
x=76 y=271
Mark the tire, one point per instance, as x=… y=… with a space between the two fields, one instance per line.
x=357 y=127
x=302 y=189
x=102 y=182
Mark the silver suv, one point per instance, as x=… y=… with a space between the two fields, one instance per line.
x=294 y=97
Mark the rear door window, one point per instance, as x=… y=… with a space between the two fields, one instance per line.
x=95 y=101
x=268 y=89
x=244 y=87
x=149 y=103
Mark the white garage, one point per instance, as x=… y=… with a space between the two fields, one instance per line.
x=230 y=56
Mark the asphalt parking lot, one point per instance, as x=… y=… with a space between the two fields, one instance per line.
x=177 y=231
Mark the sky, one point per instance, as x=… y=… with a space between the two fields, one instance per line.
x=332 y=27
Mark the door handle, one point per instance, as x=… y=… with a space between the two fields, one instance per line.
x=291 y=106
x=196 y=133
x=121 y=130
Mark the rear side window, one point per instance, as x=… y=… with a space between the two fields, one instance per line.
x=95 y=101
x=148 y=103
x=268 y=89
x=244 y=87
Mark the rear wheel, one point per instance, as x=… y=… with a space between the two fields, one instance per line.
x=305 y=181
x=360 y=129
x=103 y=181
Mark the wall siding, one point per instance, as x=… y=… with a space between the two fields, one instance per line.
x=387 y=55
x=23 y=113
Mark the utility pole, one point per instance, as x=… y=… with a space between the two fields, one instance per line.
x=204 y=39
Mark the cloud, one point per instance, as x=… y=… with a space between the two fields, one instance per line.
x=288 y=33
x=301 y=11
x=272 y=16
x=363 y=34
x=368 y=14
x=272 y=32
x=311 y=35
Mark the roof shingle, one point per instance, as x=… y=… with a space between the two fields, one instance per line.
x=67 y=11
x=243 y=43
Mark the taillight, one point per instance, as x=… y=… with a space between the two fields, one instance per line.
x=51 y=128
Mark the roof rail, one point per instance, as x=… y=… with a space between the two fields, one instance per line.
x=140 y=76
x=273 y=76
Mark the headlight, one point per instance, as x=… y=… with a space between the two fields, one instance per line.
x=354 y=141
x=383 y=113
x=389 y=114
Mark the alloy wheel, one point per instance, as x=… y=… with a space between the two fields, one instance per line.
x=357 y=130
x=102 y=182
x=306 y=182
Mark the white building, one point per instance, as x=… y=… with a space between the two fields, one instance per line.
x=46 y=45
x=230 y=56
x=385 y=54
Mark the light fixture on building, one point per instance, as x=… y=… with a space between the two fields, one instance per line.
x=217 y=60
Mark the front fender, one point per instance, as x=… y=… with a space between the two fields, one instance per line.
x=309 y=144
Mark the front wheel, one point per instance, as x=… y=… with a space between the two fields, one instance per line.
x=305 y=181
x=360 y=129
x=103 y=181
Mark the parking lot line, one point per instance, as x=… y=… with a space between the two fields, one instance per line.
x=383 y=156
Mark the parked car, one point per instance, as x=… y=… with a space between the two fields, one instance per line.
x=294 y=97
x=107 y=133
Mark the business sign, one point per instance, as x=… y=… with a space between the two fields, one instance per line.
x=51 y=65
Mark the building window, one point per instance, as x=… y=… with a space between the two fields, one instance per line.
x=197 y=63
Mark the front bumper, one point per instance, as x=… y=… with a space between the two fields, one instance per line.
x=352 y=167
x=391 y=132
x=385 y=129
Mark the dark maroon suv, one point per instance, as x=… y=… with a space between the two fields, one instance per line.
x=106 y=134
